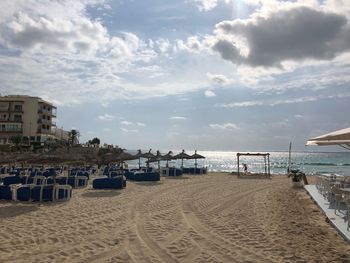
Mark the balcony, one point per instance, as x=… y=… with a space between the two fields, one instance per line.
x=7 y=130
x=45 y=121
x=54 y=112
x=44 y=131
x=11 y=120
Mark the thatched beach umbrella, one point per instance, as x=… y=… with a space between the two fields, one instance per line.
x=124 y=156
x=138 y=156
x=148 y=156
x=182 y=156
x=157 y=158
x=196 y=156
x=168 y=157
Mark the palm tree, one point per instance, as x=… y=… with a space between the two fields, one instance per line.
x=74 y=137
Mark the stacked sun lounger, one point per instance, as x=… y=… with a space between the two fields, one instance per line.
x=194 y=170
x=112 y=178
x=144 y=174
x=116 y=182
x=34 y=188
x=171 y=171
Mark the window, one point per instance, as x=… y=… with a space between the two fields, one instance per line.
x=11 y=127
x=18 y=107
x=17 y=118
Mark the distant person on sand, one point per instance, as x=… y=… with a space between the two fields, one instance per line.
x=245 y=167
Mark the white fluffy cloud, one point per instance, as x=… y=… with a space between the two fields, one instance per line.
x=106 y=117
x=219 y=79
x=207 y=5
x=177 y=118
x=129 y=130
x=209 y=93
x=54 y=50
x=224 y=126
x=126 y=123
x=277 y=102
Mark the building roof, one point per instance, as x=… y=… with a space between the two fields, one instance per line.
x=19 y=97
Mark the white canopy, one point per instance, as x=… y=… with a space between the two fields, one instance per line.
x=340 y=137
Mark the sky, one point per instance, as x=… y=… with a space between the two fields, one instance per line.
x=240 y=75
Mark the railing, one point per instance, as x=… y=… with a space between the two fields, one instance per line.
x=44 y=131
x=45 y=121
x=10 y=130
x=46 y=111
x=13 y=120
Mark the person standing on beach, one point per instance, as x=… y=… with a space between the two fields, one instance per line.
x=245 y=167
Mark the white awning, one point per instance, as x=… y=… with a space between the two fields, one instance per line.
x=340 y=137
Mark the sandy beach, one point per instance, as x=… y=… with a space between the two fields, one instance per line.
x=209 y=218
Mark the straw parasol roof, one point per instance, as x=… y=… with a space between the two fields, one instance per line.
x=157 y=158
x=168 y=157
x=148 y=155
x=196 y=156
x=182 y=156
x=124 y=156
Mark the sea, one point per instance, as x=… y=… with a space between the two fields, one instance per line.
x=309 y=162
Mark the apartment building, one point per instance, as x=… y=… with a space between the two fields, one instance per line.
x=27 y=116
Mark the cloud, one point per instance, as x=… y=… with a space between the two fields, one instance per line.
x=126 y=123
x=207 y=5
x=129 y=130
x=277 y=102
x=129 y=123
x=219 y=79
x=177 y=118
x=289 y=33
x=225 y=126
x=209 y=94
x=106 y=117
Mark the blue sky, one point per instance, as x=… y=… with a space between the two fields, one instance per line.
x=194 y=74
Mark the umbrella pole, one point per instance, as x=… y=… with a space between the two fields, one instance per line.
x=182 y=163
x=195 y=163
x=139 y=163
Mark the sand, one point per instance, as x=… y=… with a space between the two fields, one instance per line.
x=210 y=218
